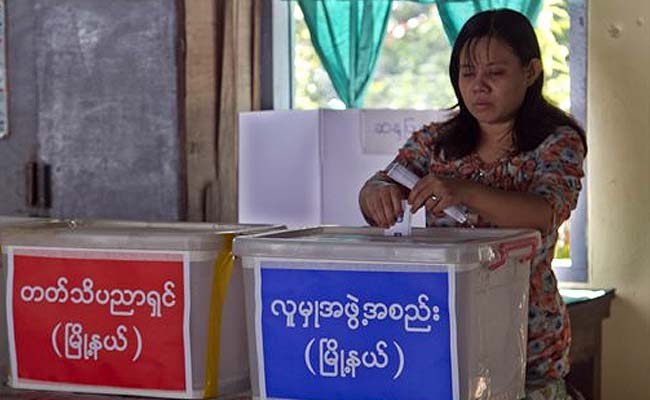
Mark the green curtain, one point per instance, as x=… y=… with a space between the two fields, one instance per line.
x=348 y=36
x=454 y=13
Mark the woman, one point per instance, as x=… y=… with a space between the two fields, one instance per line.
x=510 y=159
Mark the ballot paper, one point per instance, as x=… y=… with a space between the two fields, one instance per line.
x=402 y=226
x=404 y=177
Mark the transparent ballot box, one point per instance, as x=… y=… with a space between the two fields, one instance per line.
x=349 y=313
x=124 y=307
x=6 y=222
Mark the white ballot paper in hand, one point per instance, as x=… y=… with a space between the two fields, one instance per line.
x=403 y=225
x=404 y=177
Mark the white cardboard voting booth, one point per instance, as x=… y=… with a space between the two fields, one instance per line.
x=305 y=168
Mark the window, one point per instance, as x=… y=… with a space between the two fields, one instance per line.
x=412 y=72
x=574 y=269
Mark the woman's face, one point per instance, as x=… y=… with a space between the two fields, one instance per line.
x=492 y=80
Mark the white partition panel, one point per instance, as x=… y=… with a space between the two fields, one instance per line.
x=279 y=168
x=306 y=167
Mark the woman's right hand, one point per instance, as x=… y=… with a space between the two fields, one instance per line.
x=381 y=203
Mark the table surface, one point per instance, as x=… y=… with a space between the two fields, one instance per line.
x=576 y=296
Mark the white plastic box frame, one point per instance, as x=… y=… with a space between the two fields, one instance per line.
x=201 y=243
x=491 y=269
x=6 y=222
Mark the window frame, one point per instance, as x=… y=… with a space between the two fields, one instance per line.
x=578 y=271
x=276 y=55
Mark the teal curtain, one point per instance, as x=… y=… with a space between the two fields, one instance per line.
x=348 y=36
x=454 y=13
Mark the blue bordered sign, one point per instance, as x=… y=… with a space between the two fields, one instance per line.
x=354 y=331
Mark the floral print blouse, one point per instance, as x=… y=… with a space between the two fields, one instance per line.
x=553 y=170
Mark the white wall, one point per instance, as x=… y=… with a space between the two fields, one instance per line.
x=618 y=109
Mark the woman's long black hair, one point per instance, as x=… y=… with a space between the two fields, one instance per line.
x=536 y=118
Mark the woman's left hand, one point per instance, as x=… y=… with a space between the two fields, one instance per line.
x=436 y=193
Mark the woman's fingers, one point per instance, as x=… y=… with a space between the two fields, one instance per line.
x=434 y=193
x=383 y=201
x=384 y=205
x=447 y=199
x=377 y=212
x=430 y=204
x=387 y=209
x=392 y=206
x=423 y=192
x=396 y=199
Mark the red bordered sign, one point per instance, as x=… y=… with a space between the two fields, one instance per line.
x=104 y=321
